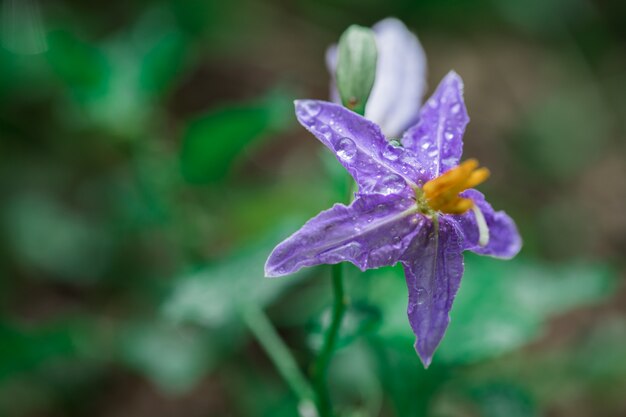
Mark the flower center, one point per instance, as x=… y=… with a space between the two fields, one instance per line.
x=441 y=194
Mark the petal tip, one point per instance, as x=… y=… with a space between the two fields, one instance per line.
x=269 y=273
x=453 y=80
x=307 y=111
x=270 y=269
x=515 y=248
x=454 y=76
x=425 y=357
x=391 y=23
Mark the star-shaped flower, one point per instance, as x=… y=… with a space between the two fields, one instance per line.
x=415 y=205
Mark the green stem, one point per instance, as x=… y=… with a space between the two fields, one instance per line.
x=328 y=348
x=278 y=352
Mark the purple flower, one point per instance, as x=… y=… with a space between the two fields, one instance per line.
x=400 y=81
x=415 y=205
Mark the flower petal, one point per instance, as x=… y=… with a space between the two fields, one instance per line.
x=504 y=239
x=376 y=165
x=400 y=83
x=331 y=64
x=437 y=139
x=372 y=232
x=433 y=266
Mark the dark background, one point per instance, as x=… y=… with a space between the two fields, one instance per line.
x=150 y=160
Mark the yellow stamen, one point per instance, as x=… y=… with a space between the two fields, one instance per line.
x=442 y=193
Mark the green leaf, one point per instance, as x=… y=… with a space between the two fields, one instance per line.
x=30 y=348
x=214 y=295
x=504 y=304
x=554 y=147
x=49 y=237
x=22 y=28
x=174 y=358
x=501 y=305
x=80 y=65
x=212 y=142
x=163 y=62
x=356 y=67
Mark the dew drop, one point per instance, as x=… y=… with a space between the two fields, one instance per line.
x=310 y=108
x=391 y=152
x=393 y=183
x=432 y=103
x=422 y=295
x=409 y=160
x=450 y=162
x=456 y=108
x=325 y=131
x=433 y=153
x=346 y=149
x=449 y=135
x=425 y=145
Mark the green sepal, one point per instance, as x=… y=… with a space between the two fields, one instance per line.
x=356 y=67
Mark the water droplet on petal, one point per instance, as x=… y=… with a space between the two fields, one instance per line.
x=324 y=131
x=307 y=110
x=450 y=162
x=425 y=145
x=432 y=103
x=456 y=108
x=346 y=149
x=449 y=135
x=393 y=183
x=421 y=295
x=391 y=152
x=433 y=153
x=409 y=160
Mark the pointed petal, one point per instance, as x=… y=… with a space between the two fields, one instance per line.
x=504 y=239
x=372 y=232
x=400 y=78
x=376 y=165
x=400 y=83
x=437 y=139
x=433 y=266
x=331 y=64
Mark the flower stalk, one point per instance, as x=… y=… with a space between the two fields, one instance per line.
x=278 y=352
x=320 y=370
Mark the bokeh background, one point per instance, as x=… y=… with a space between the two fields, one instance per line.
x=150 y=160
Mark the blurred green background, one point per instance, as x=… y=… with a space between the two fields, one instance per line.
x=150 y=160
